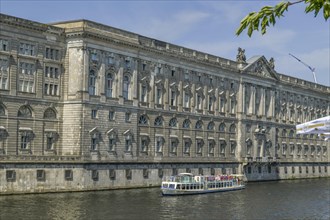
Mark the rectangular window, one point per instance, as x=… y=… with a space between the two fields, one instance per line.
x=52 y=54
x=159 y=145
x=283 y=149
x=222 y=148
x=144 y=93
x=232 y=106
x=112 y=174
x=199 y=101
x=41 y=175
x=46 y=89
x=127 y=64
x=199 y=147
x=159 y=96
x=173 y=146
x=27 y=49
x=145 y=173
x=93 y=143
x=4 y=45
x=291 y=149
x=211 y=148
x=112 y=144
x=186 y=100
x=111 y=115
x=24 y=141
x=95 y=175
x=49 y=145
x=232 y=147
x=144 y=145
x=210 y=104
x=128 y=145
x=26 y=83
x=222 y=104
x=68 y=175
x=11 y=175
x=127 y=117
x=94 y=114
x=173 y=94
x=128 y=174
x=55 y=90
x=3 y=74
x=187 y=147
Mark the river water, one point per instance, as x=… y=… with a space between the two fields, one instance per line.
x=295 y=199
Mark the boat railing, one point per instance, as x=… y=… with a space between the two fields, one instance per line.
x=200 y=179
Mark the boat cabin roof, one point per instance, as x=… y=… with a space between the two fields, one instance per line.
x=185 y=174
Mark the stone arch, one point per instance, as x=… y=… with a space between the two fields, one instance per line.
x=25 y=111
x=50 y=113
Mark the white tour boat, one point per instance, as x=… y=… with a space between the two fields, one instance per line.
x=188 y=184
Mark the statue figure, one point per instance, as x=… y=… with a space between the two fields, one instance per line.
x=272 y=63
x=241 y=56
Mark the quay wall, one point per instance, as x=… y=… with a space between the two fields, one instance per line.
x=24 y=178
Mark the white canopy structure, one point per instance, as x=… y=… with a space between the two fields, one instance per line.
x=319 y=126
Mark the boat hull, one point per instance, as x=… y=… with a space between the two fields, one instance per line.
x=179 y=192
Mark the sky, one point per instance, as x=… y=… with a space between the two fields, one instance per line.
x=206 y=26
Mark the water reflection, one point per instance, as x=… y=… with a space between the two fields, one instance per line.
x=302 y=199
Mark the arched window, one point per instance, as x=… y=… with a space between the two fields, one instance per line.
x=2 y=110
x=283 y=133
x=186 y=123
x=159 y=121
x=109 y=85
x=222 y=127
x=92 y=82
x=143 y=120
x=173 y=122
x=126 y=83
x=210 y=126
x=49 y=114
x=25 y=112
x=199 y=125
x=291 y=134
x=232 y=128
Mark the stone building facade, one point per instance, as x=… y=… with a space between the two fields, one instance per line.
x=84 y=106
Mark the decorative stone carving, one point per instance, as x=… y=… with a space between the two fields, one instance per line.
x=241 y=56
x=272 y=63
x=259 y=67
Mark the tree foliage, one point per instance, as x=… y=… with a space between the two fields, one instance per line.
x=268 y=14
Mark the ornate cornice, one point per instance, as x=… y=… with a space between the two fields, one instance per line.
x=32 y=25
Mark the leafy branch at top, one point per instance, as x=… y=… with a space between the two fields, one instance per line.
x=268 y=14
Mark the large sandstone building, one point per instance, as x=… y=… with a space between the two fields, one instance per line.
x=86 y=106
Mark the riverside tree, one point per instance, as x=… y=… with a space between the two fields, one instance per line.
x=268 y=14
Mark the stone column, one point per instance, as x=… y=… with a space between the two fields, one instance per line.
x=252 y=100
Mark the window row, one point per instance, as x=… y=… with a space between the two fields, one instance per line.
x=159 y=145
x=159 y=93
x=26 y=111
x=173 y=122
x=30 y=49
x=286 y=168
x=305 y=150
